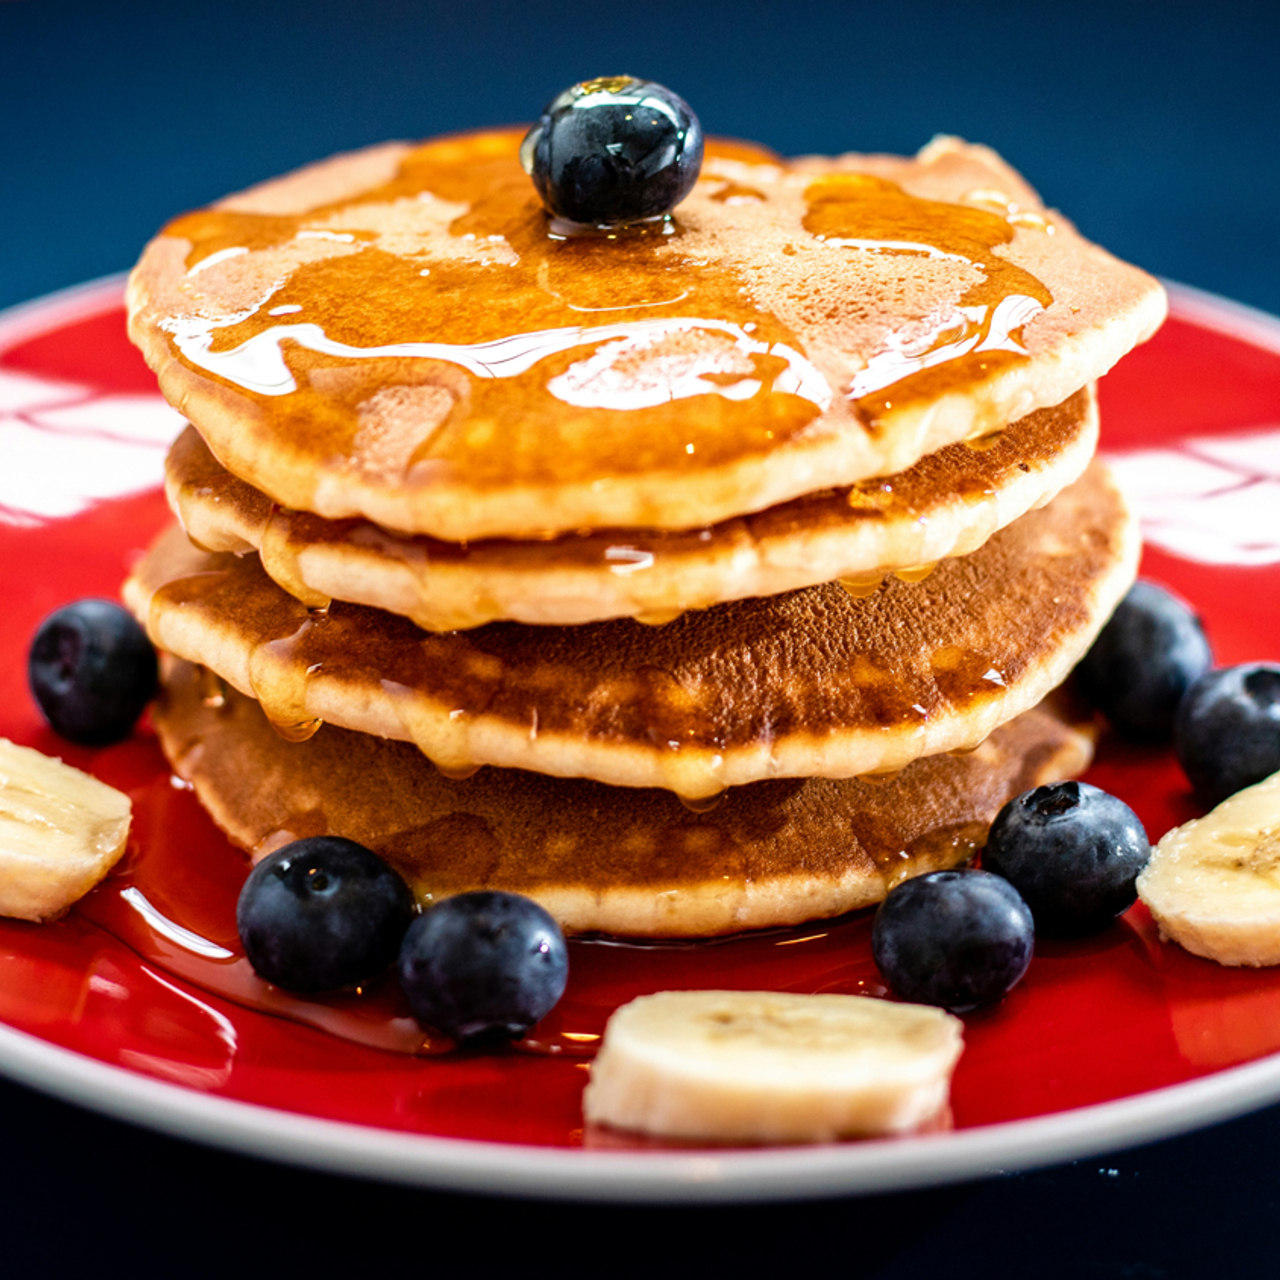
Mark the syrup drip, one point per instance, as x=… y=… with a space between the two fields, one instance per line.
x=705 y=804
x=280 y=553
x=915 y=572
x=457 y=772
x=872 y=496
x=984 y=518
x=278 y=673
x=862 y=588
x=980 y=444
x=443 y=740
x=280 y=676
x=694 y=776
x=678 y=723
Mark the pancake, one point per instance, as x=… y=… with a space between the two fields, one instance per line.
x=812 y=683
x=402 y=335
x=948 y=504
x=614 y=860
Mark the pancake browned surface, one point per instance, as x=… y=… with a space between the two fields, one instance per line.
x=808 y=684
x=948 y=504
x=400 y=334
x=618 y=860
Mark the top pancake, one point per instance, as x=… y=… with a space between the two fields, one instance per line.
x=401 y=334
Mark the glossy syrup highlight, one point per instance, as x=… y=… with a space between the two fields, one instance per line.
x=569 y=335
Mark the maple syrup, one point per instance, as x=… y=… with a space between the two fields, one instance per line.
x=363 y=304
x=280 y=552
x=970 y=342
x=915 y=572
x=703 y=804
x=981 y=443
x=861 y=588
x=658 y=617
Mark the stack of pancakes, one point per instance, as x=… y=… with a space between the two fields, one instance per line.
x=700 y=577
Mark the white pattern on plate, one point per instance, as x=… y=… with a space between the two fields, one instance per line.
x=1210 y=499
x=68 y=446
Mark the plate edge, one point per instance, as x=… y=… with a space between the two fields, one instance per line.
x=704 y=1176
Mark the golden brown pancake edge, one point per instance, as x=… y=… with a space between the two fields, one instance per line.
x=947 y=505
x=811 y=683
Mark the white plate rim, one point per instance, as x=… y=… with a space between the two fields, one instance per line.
x=632 y=1176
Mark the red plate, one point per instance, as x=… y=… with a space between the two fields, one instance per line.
x=140 y=1004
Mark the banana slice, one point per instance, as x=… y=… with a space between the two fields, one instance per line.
x=761 y=1066
x=1213 y=885
x=61 y=831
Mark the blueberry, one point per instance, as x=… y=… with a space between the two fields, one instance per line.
x=322 y=913
x=614 y=150
x=1146 y=657
x=953 y=938
x=1227 y=732
x=92 y=671
x=1073 y=852
x=484 y=965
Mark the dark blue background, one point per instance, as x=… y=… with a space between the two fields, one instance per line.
x=1152 y=124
